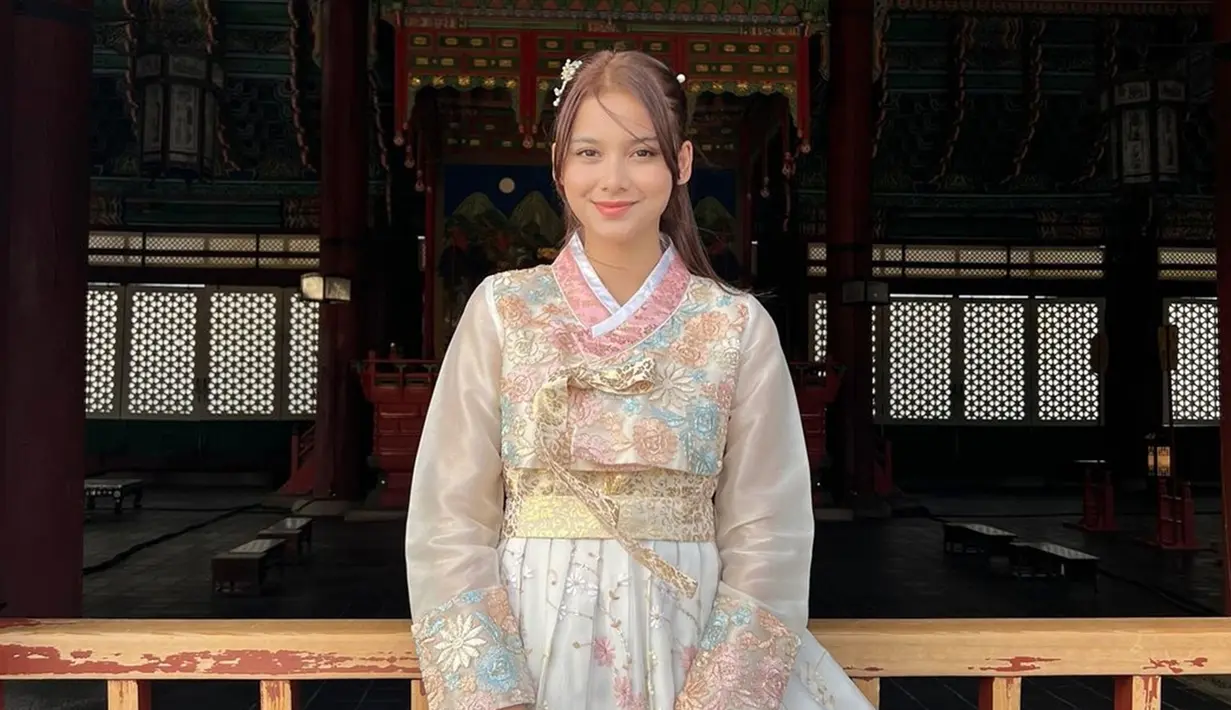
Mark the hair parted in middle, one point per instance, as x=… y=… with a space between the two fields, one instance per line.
x=659 y=90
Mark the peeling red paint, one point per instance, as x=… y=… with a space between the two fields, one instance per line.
x=17 y=660
x=1017 y=664
x=1154 y=689
x=279 y=695
x=1175 y=666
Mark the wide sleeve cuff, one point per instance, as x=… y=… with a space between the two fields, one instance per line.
x=744 y=660
x=470 y=653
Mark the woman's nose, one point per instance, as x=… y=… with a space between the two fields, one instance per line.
x=615 y=175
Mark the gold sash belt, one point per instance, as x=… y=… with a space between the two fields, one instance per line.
x=653 y=504
x=550 y=411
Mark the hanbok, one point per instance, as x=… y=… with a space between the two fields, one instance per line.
x=611 y=505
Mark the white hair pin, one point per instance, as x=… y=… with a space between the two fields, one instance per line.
x=567 y=72
x=680 y=78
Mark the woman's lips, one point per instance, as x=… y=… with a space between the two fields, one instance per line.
x=612 y=210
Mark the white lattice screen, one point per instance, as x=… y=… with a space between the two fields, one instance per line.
x=199 y=352
x=982 y=360
x=920 y=352
x=303 y=330
x=1194 y=383
x=243 y=353
x=1069 y=388
x=161 y=357
x=994 y=366
x=102 y=355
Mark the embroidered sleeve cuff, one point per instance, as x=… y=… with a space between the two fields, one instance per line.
x=744 y=660
x=471 y=655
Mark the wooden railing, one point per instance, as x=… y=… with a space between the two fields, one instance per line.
x=1002 y=652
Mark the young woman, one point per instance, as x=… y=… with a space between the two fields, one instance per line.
x=611 y=504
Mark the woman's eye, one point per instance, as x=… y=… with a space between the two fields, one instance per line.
x=587 y=153
x=644 y=153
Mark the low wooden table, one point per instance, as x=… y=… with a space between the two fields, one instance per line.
x=117 y=489
x=246 y=568
x=977 y=538
x=296 y=531
x=1049 y=560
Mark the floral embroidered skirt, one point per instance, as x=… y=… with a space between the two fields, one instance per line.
x=601 y=633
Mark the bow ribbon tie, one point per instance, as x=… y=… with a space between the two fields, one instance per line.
x=550 y=411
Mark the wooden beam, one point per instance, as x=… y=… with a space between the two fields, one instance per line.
x=124 y=649
x=1059 y=7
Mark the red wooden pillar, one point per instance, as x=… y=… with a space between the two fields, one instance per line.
x=344 y=219
x=849 y=232
x=6 y=182
x=1222 y=241
x=42 y=288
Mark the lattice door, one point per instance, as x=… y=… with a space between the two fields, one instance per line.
x=993 y=361
x=102 y=351
x=818 y=307
x=242 y=373
x=200 y=353
x=1069 y=390
x=920 y=354
x=162 y=375
x=302 y=341
x=1194 y=382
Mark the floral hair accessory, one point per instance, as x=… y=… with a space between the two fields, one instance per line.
x=567 y=72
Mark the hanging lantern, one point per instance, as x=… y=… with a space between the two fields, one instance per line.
x=178 y=96
x=1158 y=458
x=325 y=288
x=1145 y=114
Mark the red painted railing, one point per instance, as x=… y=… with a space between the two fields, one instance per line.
x=399 y=390
x=303 y=463
x=1003 y=653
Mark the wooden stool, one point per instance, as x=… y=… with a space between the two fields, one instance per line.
x=245 y=568
x=116 y=490
x=296 y=532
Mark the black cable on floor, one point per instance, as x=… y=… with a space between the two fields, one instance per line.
x=124 y=555
x=254 y=508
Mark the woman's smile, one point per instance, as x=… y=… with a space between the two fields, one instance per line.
x=613 y=210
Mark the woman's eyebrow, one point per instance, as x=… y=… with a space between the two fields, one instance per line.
x=632 y=140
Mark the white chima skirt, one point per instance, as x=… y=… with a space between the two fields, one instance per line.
x=601 y=633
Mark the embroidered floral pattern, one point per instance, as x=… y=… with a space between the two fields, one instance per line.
x=745 y=660
x=689 y=328
x=471 y=654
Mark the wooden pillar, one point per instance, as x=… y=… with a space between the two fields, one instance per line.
x=1222 y=239
x=42 y=287
x=6 y=183
x=1134 y=311
x=849 y=234
x=344 y=219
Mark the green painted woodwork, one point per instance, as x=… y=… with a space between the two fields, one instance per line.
x=618 y=15
x=990 y=168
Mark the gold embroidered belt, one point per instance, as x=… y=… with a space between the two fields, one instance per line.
x=653 y=504
x=554 y=447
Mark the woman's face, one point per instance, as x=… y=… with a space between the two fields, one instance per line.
x=614 y=176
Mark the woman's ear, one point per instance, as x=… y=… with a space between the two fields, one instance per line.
x=685 y=162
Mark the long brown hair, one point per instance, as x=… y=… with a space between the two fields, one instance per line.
x=652 y=83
